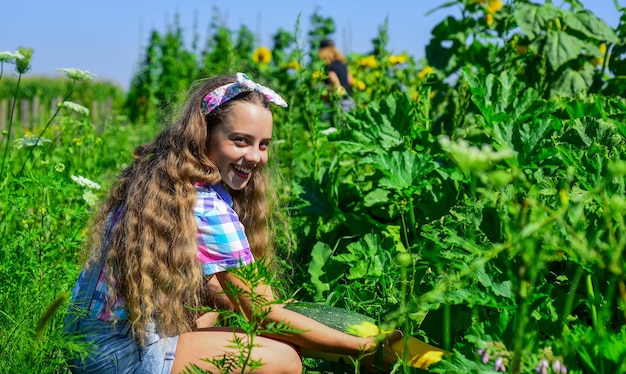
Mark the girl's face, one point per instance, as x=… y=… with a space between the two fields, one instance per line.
x=239 y=147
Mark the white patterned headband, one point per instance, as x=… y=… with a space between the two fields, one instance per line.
x=227 y=92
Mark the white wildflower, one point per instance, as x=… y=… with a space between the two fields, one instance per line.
x=328 y=131
x=90 y=198
x=30 y=141
x=85 y=182
x=7 y=56
x=76 y=74
x=470 y=158
x=75 y=107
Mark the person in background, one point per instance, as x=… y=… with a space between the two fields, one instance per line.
x=340 y=79
x=190 y=210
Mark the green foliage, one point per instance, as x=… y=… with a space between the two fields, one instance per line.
x=42 y=221
x=555 y=50
x=475 y=198
x=256 y=324
x=48 y=89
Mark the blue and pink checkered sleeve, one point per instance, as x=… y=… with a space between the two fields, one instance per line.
x=222 y=242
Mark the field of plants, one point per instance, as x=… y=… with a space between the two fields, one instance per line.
x=475 y=198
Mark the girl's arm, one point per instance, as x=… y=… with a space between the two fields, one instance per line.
x=315 y=336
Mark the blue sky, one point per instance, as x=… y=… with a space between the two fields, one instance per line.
x=107 y=38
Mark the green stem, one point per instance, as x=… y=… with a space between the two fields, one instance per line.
x=569 y=302
x=56 y=112
x=405 y=233
x=405 y=322
x=521 y=320
x=446 y=328
x=412 y=220
x=6 y=146
x=592 y=300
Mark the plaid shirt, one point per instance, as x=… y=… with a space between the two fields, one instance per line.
x=222 y=245
x=222 y=242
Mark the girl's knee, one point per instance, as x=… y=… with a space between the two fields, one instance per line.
x=287 y=359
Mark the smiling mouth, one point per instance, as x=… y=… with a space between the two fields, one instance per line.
x=241 y=171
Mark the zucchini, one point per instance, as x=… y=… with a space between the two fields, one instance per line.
x=418 y=353
x=341 y=319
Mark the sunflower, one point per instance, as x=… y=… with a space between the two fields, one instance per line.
x=494 y=6
x=489 y=19
x=367 y=62
x=426 y=71
x=399 y=59
x=359 y=84
x=262 y=55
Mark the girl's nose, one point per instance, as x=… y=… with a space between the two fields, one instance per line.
x=254 y=156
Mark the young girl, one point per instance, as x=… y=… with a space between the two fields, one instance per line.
x=173 y=223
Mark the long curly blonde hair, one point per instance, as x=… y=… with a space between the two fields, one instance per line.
x=152 y=249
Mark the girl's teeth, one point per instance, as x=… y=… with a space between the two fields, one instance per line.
x=241 y=170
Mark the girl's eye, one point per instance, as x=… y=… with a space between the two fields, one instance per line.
x=264 y=145
x=240 y=141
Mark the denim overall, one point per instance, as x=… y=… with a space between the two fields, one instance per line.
x=111 y=347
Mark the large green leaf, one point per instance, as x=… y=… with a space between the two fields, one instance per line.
x=534 y=135
x=562 y=47
x=572 y=82
x=324 y=272
x=503 y=289
x=381 y=126
x=362 y=258
x=533 y=18
x=405 y=172
x=506 y=104
x=590 y=25
x=501 y=94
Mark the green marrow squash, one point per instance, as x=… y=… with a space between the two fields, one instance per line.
x=415 y=352
x=341 y=319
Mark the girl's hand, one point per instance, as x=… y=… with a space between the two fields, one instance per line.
x=383 y=358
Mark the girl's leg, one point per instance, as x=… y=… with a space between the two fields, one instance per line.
x=277 y=357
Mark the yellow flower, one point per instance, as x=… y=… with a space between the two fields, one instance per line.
x=262 y=55
x=494 y=6
x=365 y=329
x=359 y=85
x=367 y=62
x=400 y=59
x=426 y=71
x=317 y=75
x=489 y=19
x=293 y=64
x=597 y=61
